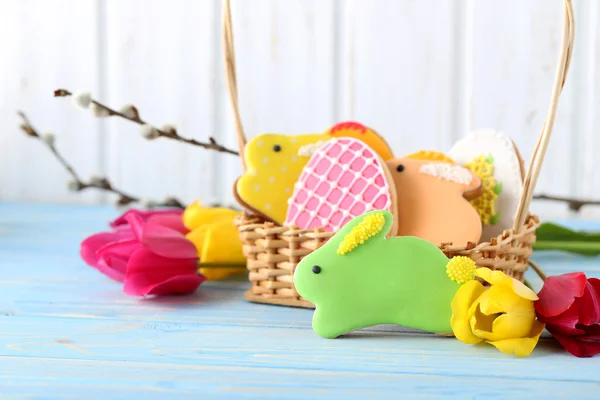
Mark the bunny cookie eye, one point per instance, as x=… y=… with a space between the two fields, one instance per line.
x=277 y=148
x=400 y=168
x=316 y=269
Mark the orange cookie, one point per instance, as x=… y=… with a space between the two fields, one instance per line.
x=433 y=201
x=365 y=134
x=275 y=163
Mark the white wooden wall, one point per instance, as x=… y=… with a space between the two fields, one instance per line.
x=422 y=72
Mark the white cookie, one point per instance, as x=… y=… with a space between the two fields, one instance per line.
x=508 y=171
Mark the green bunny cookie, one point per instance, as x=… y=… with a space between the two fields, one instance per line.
x=360 y=278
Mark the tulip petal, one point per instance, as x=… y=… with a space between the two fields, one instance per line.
x=172 y=221
x=195 y=215
x=499 y=278
x=564 y=323
x=143 y=215
x=180 y=284
x=589 y=303
x=222 y=246
x=161 y=240
x=197 y=237
x=90 y=246
x=513 y=325
x=579 y=346
x=466 y=295
x=559 y=293
x=114 y=256
x=520 y=347
x=147 y=271
x=501 y=299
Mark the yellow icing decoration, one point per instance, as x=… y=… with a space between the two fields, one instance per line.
x=461 y=269
x=367 y=228
x=486 y=203
x=431 y=155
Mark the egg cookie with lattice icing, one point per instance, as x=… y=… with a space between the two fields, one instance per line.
x=360 y=278
x=343 y=179
x=433 y=201
x=274 y=163
x=365 y=134
x=494 y=157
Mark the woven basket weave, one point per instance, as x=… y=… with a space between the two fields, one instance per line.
x=273 y=251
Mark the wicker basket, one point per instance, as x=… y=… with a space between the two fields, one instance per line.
x=273 y=251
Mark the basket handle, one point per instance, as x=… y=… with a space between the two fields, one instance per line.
x=229 y=59
x=537 y=158
x=539 y=152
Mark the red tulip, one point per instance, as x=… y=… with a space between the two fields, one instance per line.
x=148 y=252
x=569 y=304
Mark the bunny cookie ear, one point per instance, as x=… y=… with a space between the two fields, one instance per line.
x=362 y=229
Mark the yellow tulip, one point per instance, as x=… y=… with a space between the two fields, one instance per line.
x=195 y=215
x=502 y=315
x=216 y=240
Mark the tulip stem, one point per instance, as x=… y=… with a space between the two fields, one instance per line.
x=538 y=270
x=220 y=265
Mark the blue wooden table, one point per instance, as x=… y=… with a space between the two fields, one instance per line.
x=68 y=332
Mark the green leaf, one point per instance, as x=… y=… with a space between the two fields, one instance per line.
x=490 y=158
x=498 y=188
x=552 y=236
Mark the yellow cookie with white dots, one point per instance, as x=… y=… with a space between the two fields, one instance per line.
x=274 y=163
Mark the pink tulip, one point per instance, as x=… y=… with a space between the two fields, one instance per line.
x=148 y=252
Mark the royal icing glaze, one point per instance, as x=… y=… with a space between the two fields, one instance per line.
x=343 y=179
x=452 y=173
x=431 y=155
x=501 y=153
x=401 y=280
x=433 y=208
x=365 y=134
x=274 y=163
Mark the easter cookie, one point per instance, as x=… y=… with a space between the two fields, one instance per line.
x=343 y=179
x=360 y=279
x=275 y=162
x=364 y=134
x=493 y=156
x=431 y=155
x=432 y=199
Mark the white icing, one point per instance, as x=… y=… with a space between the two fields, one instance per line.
x=287 y=190
x=309 y=149
x=267 y=206
x=507 y=171
x=283 y=168
x=272 y=179
x=449 y=172
x=257 y=188
x=265 y=160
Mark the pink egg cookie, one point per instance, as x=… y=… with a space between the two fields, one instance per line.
x=343 y=179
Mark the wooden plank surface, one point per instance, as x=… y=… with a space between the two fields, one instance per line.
x=68 y=332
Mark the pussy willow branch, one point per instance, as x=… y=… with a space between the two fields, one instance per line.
x=573 y=204
x=100 y=182
x=135 y=117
